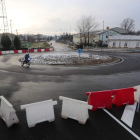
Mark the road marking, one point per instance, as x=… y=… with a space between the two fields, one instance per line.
x=128 y=114
x=132 y=133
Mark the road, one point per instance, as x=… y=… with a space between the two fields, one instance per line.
x=21 y=85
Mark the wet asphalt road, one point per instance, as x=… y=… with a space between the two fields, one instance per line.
x=21 y=85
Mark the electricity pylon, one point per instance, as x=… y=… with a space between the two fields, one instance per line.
x=3 y=17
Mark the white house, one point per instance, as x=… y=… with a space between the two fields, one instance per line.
x=124 y=41
x=99 y=35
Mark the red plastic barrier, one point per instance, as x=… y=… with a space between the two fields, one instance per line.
x=15 y=51
x=24 y=51
x=0 y=53
x=46 y=50
x=123 y=96
x=31 y=51
x=39 y=50
x=100 y=99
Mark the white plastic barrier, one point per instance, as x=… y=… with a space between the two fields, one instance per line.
x=42 y=50
x=11 y=51
x=51 y=49
x=7 y=112
x=35 y=50
x=75 y=109
x=137 y=93
x=39 y=112
x=7 y=52
x=19 y=51
x=3 y=52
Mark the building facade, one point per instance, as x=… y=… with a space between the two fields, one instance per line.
x=124 y=41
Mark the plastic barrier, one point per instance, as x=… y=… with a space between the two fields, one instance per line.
x=31 y=51
x=11 y=52
x=75 y=109
x=123 y=96
x=24 y=51
x=100 y=99
x=137 y=93
x=35 y=50
x=42 y=50
x=46 y=50
x=19 y=51
x=7 y=52
x=39 y=112
x=0 y=53
x=39 y=50
x=3 y=52
x=15 y=51
x=7 y=112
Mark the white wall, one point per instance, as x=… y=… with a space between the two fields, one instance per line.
x=130 y=44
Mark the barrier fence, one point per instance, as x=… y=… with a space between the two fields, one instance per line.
x=25 y=51
x=71 y=108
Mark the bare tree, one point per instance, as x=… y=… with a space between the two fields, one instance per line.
x=85 y=25
x=92 y=25
x=128 y=25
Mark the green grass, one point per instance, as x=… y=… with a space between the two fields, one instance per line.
x=35 y=45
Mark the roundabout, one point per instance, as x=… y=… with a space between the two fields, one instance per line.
x=21 y=85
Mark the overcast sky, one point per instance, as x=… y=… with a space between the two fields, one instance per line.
x=50 y=16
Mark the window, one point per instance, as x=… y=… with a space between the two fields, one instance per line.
x=106 y=36
x=125 y=44
x=114 y=44
x=137 y=44
x=119 y=44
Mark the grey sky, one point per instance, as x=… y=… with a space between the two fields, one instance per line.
x=50 y=16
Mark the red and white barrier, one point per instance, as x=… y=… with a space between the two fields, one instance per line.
x=7 y=112
x=75 y=109
x=26 y=51
x=39 y=112
x=100 y=99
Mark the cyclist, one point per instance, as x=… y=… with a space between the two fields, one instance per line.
x=27 y=58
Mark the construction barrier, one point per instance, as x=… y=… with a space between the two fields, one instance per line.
x=137 y=93
x=39 y=112
x=3 y=52
x=75 y=109
x=100 y=99
x=39 y=50
x=25 y=51
x=8 y=113
x=15 y=51
x=123 y=96
x=47 y=50
x=11 y=52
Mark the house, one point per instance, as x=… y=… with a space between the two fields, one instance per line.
x=103 y=35
x=124 y=41
x=99 y=35
x=78 y=37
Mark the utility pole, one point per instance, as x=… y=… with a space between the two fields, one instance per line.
x=3 y=15
x=102 y=33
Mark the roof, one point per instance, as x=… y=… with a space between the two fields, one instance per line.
x=124 y=37
x=94 y=32
x=119 y=30
x=116 y=29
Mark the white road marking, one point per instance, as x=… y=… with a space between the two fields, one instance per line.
x=128 y=114
x=132 y=133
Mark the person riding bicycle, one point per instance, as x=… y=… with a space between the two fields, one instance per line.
x=27 y=58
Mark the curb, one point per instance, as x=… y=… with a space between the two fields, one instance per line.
x=25 y=51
